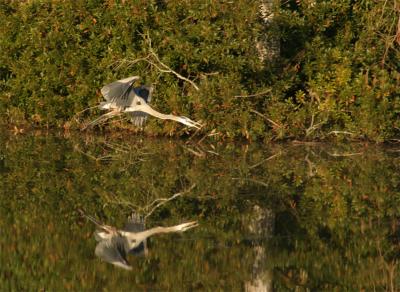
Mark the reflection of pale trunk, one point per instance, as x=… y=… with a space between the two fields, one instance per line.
x=268 y=44
x=262 y=226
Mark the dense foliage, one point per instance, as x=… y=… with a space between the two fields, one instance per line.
x=338 y=68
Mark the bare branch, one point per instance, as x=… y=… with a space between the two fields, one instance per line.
x=255 y=94
x=169 y=70
x=155 y=61
x=341 y=132
x=344 y=154
x=266 y=159
x=106 y=157
x=82 y=111
x=266 y=118
x=194 y=152
x=297 y=142
x=162 y=201
x=313 y=127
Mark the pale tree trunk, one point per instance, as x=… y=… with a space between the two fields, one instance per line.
x=268 y=44
x=262 y=226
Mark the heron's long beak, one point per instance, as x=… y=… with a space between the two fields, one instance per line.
x=91 y=218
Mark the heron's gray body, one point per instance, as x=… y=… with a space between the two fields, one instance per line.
x=122 y=94
x=113 y=247
x=122 y=97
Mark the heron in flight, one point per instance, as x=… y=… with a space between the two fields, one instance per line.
x=115 y=244
x=122 y=97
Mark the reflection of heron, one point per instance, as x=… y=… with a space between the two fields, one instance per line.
x=122 y=97
x=114 y=244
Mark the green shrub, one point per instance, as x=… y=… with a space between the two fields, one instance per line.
x=338 y=68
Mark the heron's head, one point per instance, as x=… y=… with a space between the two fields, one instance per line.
x=188 y=122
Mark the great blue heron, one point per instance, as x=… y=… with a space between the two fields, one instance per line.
x=115 y=244
x=122 y=97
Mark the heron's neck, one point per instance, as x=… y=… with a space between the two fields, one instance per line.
x=141 y=236
x=147 y=109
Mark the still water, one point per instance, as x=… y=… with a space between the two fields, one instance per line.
x=271 y=218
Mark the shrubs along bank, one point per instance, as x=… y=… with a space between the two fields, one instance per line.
x=335 y=70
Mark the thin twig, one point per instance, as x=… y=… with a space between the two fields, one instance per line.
x=122 y=202
x=393 y=150
x=313 y=127
x=252 y=180
x=255 y=94
x=131 y=62
x=84 y=153
x=264 y=160
x=259 y=182
x=169 y=70
x=341 y=132
x=268 y=119
x=82 y=111
x=116 y=147
x=162 y=67
x=344 y=154
x=101 y=158
x=162 y=201
x=194 y=134
x=311 y=166
x=297 y=142
x=212 y=133
x=213 y=152
x=198 y=154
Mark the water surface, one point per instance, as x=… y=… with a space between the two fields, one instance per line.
x=272 y=218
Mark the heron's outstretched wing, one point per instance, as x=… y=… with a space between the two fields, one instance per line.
x=113 y=251
x=135 y=224
x=118 y=89
x=144 y=93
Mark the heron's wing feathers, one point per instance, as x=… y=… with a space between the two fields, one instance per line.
x=135 y=223
x=129 y=80
x=112 y=251
x=118 y=89
x=138 y=118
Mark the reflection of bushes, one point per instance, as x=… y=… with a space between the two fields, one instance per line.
x=338 y=68
x=335 y=226
x=342 y=224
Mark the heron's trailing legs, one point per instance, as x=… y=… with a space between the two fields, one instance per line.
x=102 y=119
